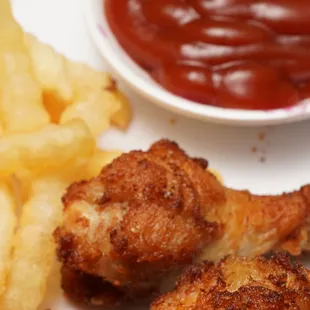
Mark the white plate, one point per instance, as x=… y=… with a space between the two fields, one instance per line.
x=139 y=80
x=286 y=148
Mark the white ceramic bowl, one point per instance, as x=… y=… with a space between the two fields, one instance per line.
x=138 y=79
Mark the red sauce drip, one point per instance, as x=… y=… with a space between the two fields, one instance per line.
x=247 y=54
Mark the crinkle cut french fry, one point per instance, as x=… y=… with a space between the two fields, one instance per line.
x=122 y=117
x=46 y=150
x=83 y=92
x=217 y=175
x=11 y=33
x=57 y=74
x=49 y=68
x=34 y=248
x=1 y=128
x=21 y=103
x=98 y=161
x=95 y=109
x=7 y=226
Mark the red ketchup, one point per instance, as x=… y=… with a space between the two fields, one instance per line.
x=246 y=54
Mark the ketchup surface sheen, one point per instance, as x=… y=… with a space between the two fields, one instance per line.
x=247 y=54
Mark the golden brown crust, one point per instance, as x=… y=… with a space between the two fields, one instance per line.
x=139 y=219
x=254 y=225
x=149 y=214
x=299 y=240
x=210 y=191
x=90 y=290
x=238 y=283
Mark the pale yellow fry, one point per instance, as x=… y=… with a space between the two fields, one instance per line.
x=34 y=248
x=1 y=128
x=96 y=100
x=7 y=226
x=123 y=116
x=98 y=161
x=49 y=68
x=56 y=73
x=95 y=109
x=46 y=150
x=217 y=175
x=61 y=76
x=87 y=93
x=21 y=104
x=11 y=33
x=85 y=79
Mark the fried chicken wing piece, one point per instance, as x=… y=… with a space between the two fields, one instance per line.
x=140 y=219
x=150 y=214
x=238 y=283
x=83 y=288
x=254 y=225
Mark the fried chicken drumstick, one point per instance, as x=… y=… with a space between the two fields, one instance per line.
x=150 y=214
x=237 y=283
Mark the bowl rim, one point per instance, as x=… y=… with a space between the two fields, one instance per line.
x=109 y=48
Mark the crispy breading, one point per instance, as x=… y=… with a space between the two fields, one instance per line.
x=138 y=220
x=87 y=289
x=238 y=283
x=150 y=214
x=253 y=225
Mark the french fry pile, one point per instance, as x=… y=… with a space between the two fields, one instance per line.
x=51 y=112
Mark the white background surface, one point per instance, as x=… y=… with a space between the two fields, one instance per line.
x=285 y=148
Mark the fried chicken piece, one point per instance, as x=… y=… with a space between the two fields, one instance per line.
x=140 y=219
x=254 y=225
x=150 y=214
x=83 y=288
x=238 y=283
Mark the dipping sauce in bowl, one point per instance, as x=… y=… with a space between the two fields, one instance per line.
x=243 y=54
